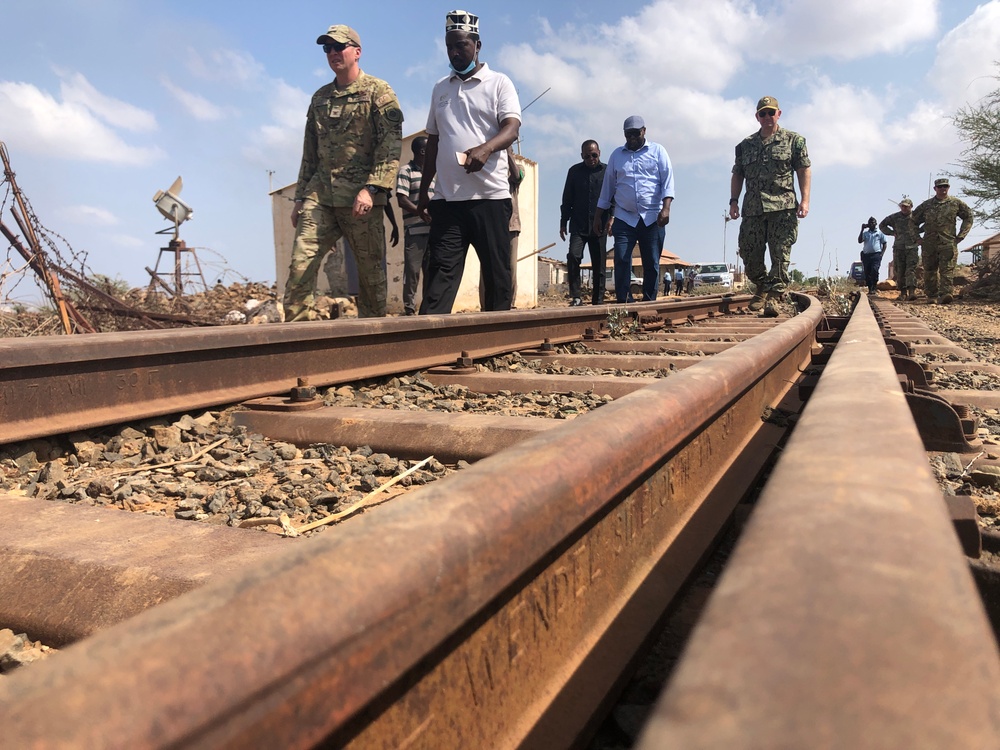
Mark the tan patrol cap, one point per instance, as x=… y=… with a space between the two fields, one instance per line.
x=340 y=33
x=941 y=181
x=767 y=102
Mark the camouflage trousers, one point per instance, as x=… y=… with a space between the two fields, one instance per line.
x=777 y=230
x=317 y=232
x=939 y=267
x=905 y=259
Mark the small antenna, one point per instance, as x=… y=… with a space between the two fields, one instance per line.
x=536 y=98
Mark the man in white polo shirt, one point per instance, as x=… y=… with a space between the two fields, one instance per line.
x=474 y=116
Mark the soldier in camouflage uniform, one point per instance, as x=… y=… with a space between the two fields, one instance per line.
x=940 y=243
x=350 y=158
x=766 y=160
x=905 y=250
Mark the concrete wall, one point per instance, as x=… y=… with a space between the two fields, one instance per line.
x=333 y=276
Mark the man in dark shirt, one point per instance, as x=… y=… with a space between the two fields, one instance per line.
x=579 y=204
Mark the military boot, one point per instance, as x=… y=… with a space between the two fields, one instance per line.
x=757 y=303
x=771 y=306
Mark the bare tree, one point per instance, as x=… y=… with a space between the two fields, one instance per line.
x=979 y=166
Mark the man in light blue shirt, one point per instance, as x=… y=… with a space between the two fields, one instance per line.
x=873 y=246
x=639 y=181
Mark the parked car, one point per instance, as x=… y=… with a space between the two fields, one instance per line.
x=635 y=284
x=858 y=272
x=717 y=274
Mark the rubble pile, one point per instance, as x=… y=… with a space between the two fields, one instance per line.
x=986 y=281
x=219 y=305
x=16 y=650
x=200 y=468
x=145 y=309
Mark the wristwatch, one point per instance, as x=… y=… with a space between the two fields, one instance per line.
x=373 y=190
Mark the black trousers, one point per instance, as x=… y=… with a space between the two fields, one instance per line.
x=455 y=225
x=871 y=263
x=598 y=248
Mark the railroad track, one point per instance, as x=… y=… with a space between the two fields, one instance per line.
x=502 y=606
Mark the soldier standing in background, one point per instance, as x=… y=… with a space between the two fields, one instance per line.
x=766 y=160
x=350 y=156
x=940 y=243
x=905 y=253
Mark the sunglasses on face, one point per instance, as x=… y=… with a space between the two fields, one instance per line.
x=591 y=156
x=633 y=133
x=767 y=113
x=335 y=47
x=942 y=187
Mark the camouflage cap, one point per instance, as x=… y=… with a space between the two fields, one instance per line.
x=942 y=181
x=767 y=102
x=461 y=20
x=340 y=33
x=906 y=202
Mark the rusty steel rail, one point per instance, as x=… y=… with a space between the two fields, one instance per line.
x=54 y=385
x=847 y=616
x=495 y=608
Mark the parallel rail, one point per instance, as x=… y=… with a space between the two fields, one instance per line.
x=848 y=616
x=69 y=383
x=499 y=607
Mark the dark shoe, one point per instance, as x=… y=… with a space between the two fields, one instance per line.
x=771 y=305
x=757 y=303
x=947 y=299
x=932 y=300
x=575 y=302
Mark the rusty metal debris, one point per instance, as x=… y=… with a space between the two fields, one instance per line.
x=70 y=291
x=35 y=255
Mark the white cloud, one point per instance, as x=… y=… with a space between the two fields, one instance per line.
x=127 y=241
x=683 y=43
x=76 y=89
x=855 y=140
x=197 y=106
x=35 y=121
x=93 y=215
x=805 y=30
x=288 y=105
x=675 y=60
x=226 y=66
x=278 y=143
x=964 y=71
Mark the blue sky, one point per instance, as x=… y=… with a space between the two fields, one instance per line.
x=104 y=102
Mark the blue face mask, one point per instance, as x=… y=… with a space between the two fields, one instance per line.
x=469 y=68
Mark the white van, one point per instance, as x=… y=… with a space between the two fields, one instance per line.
x=717 y=274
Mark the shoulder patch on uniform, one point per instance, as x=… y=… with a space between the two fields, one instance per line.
x=385 y=99
x=394 y=115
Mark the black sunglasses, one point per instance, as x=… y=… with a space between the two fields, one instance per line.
x=941 y=187
x=335 y=47
x=633 y=132
x=594 y=155
x=767 y=113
